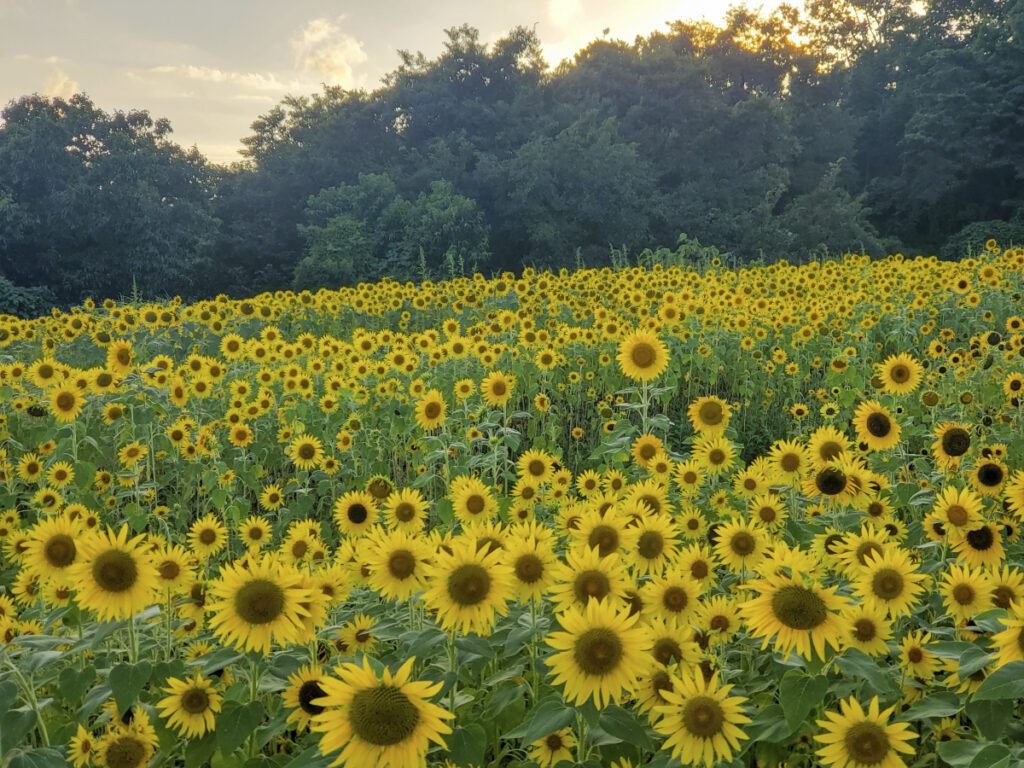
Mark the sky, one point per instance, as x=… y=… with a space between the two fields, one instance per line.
x=212 y=66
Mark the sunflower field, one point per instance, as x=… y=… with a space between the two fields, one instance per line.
x=764 y=516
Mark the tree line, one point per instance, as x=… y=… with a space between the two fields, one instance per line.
x=846 y=125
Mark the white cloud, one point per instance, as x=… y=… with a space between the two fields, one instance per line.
x=60 y=85
x=563 y=12
x=253 y=81
x=322 y=48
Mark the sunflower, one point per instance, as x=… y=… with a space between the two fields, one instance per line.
x=398 y=564
x=355 y=513
x=384 y=720
x=795 y=613
x=469 y=587
x=890 y=581
x=672 y=642
x=304 y=686
x=899 y=374
x=958 y=509
x=60 y=474
x=739 y=546
x=650 y=542
x=30 y=468
x=767 y=510
x=554 y=748
x=714 y=453
x=81 y=748
x=497 y=388
x=208 y=536
x=642 y=356
x=406 y=510
x=472 y=499
x=259 y=603
x=255 y=532
x=826 y=445
x=857 y=738
x=1013 y=494
x=173 y=567
x=599 y=654
x=66 y=403
x=191 y=705
x=120 y=356
x=875 y=426
x=127 y=746
x=306 y=452
x=981 y=547
x=132 y=454
x=533 y=562
x=831 y=484
x=600 y=531
x=51 y=548
x=952 y=442
x=271 y=497
x=866 y=629
x=672 y=595
x=114 y=575
x=537 y=466
x=709 y=415
x=988 y=477
x=430 y=411
x=1009 y=643
x=965 y=592
x=915 y=657
x=701 y=720
x=1007 y=587
x=586 y=577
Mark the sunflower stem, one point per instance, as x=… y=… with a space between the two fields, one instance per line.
x=133 y=642
x=29 y=692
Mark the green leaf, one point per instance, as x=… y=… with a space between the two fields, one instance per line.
x=38 y=758
x=1005 y=683
x=199 y=751
x=961 y=753
x=770 y=725
x=857 y=664
x=551 y=715
x=8 y=695
x=127 y=682
x=799 y=694
x=466 y=745
x=936 y=705
x=990 y=717
x=236 y=722
x=15 y=725
x=991 y=756
x=620 y=723
x=973 y=659
x=74 y=682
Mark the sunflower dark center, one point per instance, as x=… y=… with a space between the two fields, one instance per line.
x=790 y=462
x=299 y=548
x=990 y=475
x=65 y=401
x=981 y=539
x=60 y=550
x=831 y=481
x=864 y=630
x=878 y=424
x=720 y=623
x=498 y=388
x=830 y=450
x=598 y=651
x=195 y=701
x=867 y=743
x=866 y=550
x=666 y=650
x=208 y=536
x=537 y=468
x=743 y=544
x=915 y=655
x=528 y=568
x=899 y=373
x=169 y=570
x=309 y=691
x=703 y=717
x=675 y=599
x=357 y=513
x=650 y=544
x=887 y=583
x=469 y=584
x=591 y=584
x=401 y=564
x=475 y=504
x=307 y=451
x=768 y=514
x=126 y=752
x=115 y=571
x=383 y=716
x=799 y=608
x=963 y=594
x=660 y=681
x=1003 y=596
x=405 y=512
x=553 y=742
x=259 y=602
x=605 y=538
x=643 y=355
x=956 y=441
x=956 y=514
x=432 y=410
x=711 y=413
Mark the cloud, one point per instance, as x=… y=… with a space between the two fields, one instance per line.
x=324 y=49
x=563 y=12
x=252 y=81
x=60 y=85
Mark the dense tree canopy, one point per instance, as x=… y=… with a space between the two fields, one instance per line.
x=884 y=128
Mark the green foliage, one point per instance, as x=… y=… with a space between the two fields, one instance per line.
x=24 y=302
x=971 y=239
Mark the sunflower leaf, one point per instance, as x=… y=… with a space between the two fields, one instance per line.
x=799 y=694
x=235 y=723
x=466 y=745
x=1005 y=683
